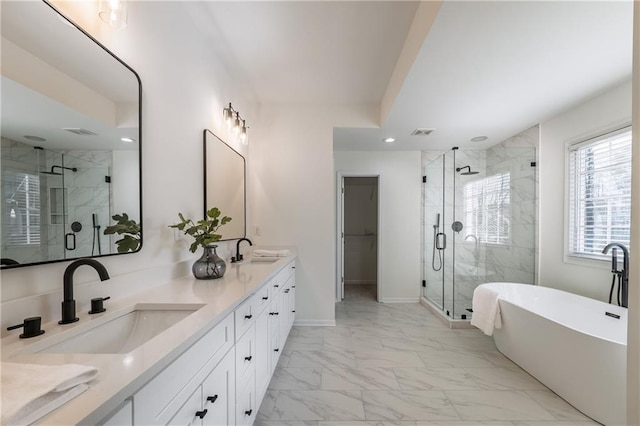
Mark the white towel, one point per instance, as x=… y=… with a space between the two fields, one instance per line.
x=270 y=253
x=31 y=391
x=486 y=309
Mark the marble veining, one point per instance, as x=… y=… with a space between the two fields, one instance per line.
x=407 y=375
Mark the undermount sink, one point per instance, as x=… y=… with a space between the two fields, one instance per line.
x=124 y=332
x=264 y=259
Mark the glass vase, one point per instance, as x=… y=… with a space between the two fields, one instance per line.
x=210 y=266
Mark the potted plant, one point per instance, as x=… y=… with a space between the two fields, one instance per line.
x=130 y=231
x=210 y=265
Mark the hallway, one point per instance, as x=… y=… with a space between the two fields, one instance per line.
x=396 y=364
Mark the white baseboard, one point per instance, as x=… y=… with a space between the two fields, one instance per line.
x=400 y=300
x=314 y=323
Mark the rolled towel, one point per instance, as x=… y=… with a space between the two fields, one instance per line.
x=270 y=253
x=31 y=391
x=486 y=309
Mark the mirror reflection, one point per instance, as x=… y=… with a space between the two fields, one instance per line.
x=224 y=184
x=70 y=135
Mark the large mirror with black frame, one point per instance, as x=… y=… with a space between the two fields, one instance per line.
x=70 y=134
x=224 y=184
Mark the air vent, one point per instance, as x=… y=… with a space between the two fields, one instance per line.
x=422 y=132
x=80 y=132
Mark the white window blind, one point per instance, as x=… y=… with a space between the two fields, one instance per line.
x=22 y=208
x=599 y=193
x=487 y=208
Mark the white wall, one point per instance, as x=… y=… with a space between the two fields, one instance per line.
x=184 y=90
x=293 y=197
x=588 y=119
x=399 y=228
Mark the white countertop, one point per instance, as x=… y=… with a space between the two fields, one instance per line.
x=121 y=375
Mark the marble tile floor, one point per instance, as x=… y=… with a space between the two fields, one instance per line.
x=398 y=365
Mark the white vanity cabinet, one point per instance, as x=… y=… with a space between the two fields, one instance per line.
x=123 y=416
x=222 y=378
x=212 y=403
x=164 y=399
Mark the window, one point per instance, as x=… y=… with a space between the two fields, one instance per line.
x=599 y=193
x=21 y=208
x=487 y=208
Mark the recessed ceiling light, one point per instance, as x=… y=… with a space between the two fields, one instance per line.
x=388 y=140
x=479 y=139
x=127 y=140
x=34 y=138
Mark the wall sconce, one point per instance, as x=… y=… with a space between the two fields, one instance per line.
x=233 y=120
x=114 y=13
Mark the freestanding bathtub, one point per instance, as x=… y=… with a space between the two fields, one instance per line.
x=574 y=345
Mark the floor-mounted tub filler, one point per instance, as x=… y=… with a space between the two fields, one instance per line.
x=574 y=345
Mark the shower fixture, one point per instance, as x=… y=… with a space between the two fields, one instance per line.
x=467 y=173
x=52 y=172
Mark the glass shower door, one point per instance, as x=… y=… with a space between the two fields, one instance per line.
x=434 y=264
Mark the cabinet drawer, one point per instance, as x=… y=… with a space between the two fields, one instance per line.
x=244 y=315
x=261 y=298
x=159 y=399
x=246 y=353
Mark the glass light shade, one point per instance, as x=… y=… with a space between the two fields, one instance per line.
x=227 y=116
x=114 y=13
x=236 y=124
x=244 y=139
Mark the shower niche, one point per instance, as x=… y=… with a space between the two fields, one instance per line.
x=479 y=222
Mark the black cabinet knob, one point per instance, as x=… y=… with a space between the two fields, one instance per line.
x=276 y=350
x=286 y=291
x=248 y=412
x=212 y=399
x=97 y=306
x=248 y=316
x=276 y=285
x=248 y=358
x=265 y=298
x=31 y=327
x=201 y=414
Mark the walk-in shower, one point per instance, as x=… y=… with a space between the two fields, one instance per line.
x=479 y=223
x=49 y=200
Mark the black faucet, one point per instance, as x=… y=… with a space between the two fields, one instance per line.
x=238 y=257
x=624 y=274
x=68 y=303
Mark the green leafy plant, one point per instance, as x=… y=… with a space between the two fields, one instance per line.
x=203 y=231
x=129 y=229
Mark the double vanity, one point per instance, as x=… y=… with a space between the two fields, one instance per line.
x=186 y=352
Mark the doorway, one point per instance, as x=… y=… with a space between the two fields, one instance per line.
x=359 y=235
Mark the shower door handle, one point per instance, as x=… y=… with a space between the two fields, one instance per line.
x=70 y=244
x=441 y=241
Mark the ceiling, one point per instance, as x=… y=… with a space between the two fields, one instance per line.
x=491 y=68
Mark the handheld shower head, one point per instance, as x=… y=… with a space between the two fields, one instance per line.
x=467 y=173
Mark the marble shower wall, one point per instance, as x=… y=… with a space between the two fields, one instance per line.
x=468 y=263
x=64 y=199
